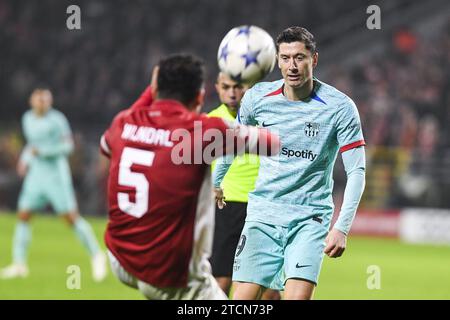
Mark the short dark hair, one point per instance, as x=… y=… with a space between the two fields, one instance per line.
x=180 y=77
x=40 y=89
x=293 y=34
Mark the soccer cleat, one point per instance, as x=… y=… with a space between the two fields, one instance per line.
x=99 y=269
x=14 y=271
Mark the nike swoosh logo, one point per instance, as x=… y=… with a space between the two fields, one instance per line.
x=264 y=124
x=306 y=265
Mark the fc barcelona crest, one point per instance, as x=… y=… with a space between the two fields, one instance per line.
x=311 y=129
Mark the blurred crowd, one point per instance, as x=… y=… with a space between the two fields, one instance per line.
x=404 y=102
x=100 y=69
x=402 y=95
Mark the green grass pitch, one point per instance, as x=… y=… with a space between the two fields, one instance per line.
x=406 y=271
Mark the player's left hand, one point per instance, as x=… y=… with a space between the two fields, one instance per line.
x=22 y=169
x=220 y=199
x=336 y=241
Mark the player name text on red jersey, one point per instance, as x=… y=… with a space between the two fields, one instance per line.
x=147 y=135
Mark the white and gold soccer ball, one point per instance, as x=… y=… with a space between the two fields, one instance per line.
x=247 y=54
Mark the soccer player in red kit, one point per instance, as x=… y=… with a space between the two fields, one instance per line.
x=161 y=203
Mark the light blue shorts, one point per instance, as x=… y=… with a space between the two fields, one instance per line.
x=56 y=191
x=269 y=255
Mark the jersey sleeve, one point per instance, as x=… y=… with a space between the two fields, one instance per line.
x=105 y=148
x=106 y=140
x=246 y=110
x=348 y=127
x=26 y=156
x=25 y=127
x=221 y=168
x=355 y=165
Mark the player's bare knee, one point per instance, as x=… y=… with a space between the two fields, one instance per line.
x=298 y=289
x=24 y=216
x=299 y=293
x=247 y=291
x=298 y=296
x=271 y=294
x=70 y=218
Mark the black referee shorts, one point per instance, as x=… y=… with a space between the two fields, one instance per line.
x=228 y=227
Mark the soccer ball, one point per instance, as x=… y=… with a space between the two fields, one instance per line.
x=246 y=54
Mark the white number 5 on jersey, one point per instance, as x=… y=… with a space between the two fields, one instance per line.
x=128 y=178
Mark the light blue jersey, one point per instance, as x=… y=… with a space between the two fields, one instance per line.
x=299 y=181
x=48 y=181
x=48 y=178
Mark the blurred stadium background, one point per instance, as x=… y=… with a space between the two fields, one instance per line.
x=398 y=76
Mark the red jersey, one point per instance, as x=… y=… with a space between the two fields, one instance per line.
x=161 y=212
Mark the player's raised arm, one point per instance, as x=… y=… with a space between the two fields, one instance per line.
x=242 y=139
x=253 y=140
x=244 y=117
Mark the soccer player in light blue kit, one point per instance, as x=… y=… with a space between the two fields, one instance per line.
x=48 y=180
x=286 y=232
